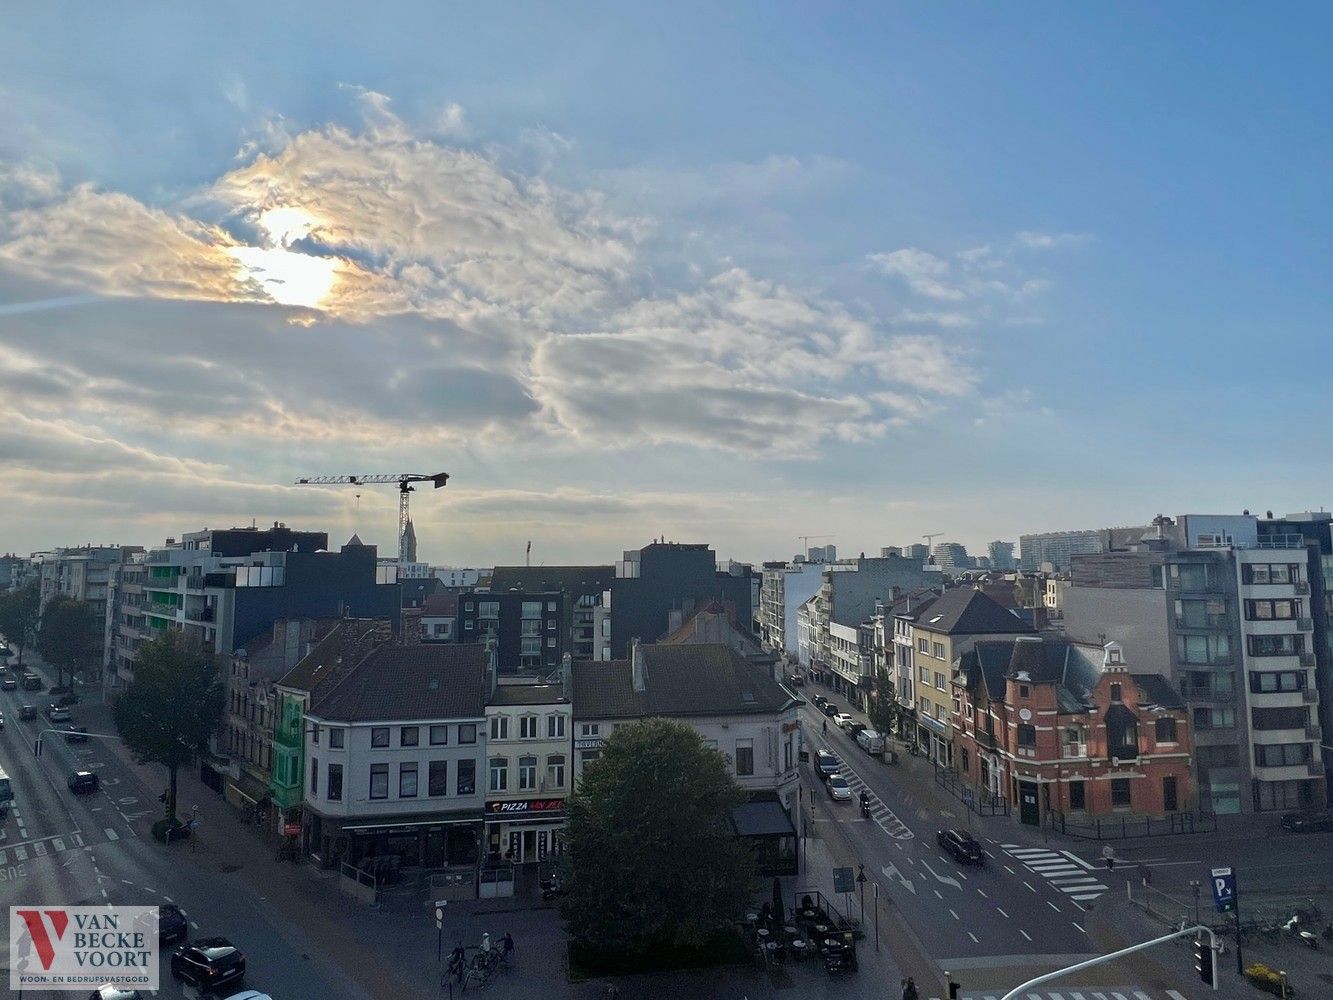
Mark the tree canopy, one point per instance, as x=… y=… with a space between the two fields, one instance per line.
x=19 y=611
x=652 y=858
x=172 y=707
x=70 y=638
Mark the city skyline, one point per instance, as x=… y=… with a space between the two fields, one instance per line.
x=626 y=276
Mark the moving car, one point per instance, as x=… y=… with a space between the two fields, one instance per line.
x=113 y=992
x=838 y=788
x=870 y=741
x=31 y=682
x=1308 y=822
x=84 y=782
x=208 y=963
x=9 y=684
x=27 y=713
x=960 y=846
x=57 y=714
x=826 y=764
x=76 y=734
x=172 y=923
x=249 y=995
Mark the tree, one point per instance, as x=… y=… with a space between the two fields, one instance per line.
x=70 y=637
x=19 y=612
x=883 y=705
x=652 y=860
x=171 y=708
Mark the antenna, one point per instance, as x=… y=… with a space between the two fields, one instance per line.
x=527 y=556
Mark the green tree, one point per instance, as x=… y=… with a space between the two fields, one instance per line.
x=19 y=612
x=883 y=706
x=70 y=637
x=652 y=859
x=172 y=707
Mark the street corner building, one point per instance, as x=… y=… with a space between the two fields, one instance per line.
x=1064 y=732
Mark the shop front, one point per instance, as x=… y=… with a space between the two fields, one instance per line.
x=397 y=842
x=525 y=831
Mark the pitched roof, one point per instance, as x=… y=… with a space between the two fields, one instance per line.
x=440 y=604
x=317 y=666
x=708 y=679
x=1065 y=664
x=410 y=682
x=527 y=694
x=604 y=689
x=548 y=579
x=965 y=611
x=1157 y=690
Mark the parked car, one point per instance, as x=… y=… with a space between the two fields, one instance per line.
x=819 y=701
x=249 y=995
x=55 y=713
x=66 y=700
x=113 y=992
x=870 y=741
x=208 y=963
x=84 y=782
x=1308 y=822
x=9 y=684
x=853 y=728
x=172 y=923
x=796 y=680
x=27 y=713
x=76 y=734
x=841 y=719
x=960 y=846
x=826 y=764
x=31 y=682
x=829 y=709
x=838 y=788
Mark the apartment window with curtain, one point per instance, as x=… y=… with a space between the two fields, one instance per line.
x=379 y=781
x=527 y=773
x=407 y=781
x=745 y=757
x=499 y=774
x=555 y=772
x=335 y=783
x=555 y=726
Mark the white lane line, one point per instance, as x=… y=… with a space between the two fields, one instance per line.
x=1140 y=995
x=1078 y=925
x=1002 y=913
x=111 y=834
x=955 y=915
x=168 y=899
x=937 y=895
x=1007 y=868
x=1052 y=906
x=127 y=881
x=983 y=894
x=1174 y=995
x=1024 y=933
x=196 y=927
x=973 y=937
x=1030 y=887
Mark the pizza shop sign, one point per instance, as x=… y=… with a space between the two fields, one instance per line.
x=525 y=807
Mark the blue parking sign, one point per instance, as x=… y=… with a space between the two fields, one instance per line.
x=1224 y=889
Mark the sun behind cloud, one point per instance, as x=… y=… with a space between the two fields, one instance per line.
x=288 y=276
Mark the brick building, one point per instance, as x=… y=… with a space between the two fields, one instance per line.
x=1058 y=727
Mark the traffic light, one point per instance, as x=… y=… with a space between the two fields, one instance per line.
x=1203 y=960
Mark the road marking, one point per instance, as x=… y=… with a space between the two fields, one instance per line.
x=973 y=937
x=941 y=878
x=955 y=915
x=1174 y=995
x=58 y=844
x=937 y=895
x=1030 y=887
x=111 y=834
x=1077 y=860
x=1078 y=925
x=1074 y=890
x=21 y=853
x=891 y=872
x=1140 y=995
x=78 y=840
x=983 y=894
x=104 y=894
x=196 y=927
x=1052 y=906
x=1072 y=879
x=39 y=849
x=127 y=881
x=1024 y=933
x=1007 y=868
x=1002 y=913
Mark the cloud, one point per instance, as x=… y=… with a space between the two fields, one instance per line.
x=922 y=272
x=1030 y=240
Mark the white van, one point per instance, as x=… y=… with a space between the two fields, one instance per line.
x=870 y=741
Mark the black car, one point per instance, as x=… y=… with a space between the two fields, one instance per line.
x=27 y=713
x=826 y=764
x=1308 y=822
x=208 y=963
x=83 y=782
x=31 y=682
x=76 y=734
x=960 y=846
x=819 y=701
x=829 y=709
x=172 y=923
x=66 y=700
x=9 y=684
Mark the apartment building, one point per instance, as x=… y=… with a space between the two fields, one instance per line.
x=529 y=766
x=580 y=588
x=940 y=632
x=785 y=587
x=84 y=573
x=392 y=758
x=1056 y=548
x=1065 y=730
x=1227 y=612
x=126 y=621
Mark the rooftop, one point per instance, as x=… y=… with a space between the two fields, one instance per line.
x=966 y=611
x=410 y=682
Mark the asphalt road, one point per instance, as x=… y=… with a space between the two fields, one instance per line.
x=59 y=848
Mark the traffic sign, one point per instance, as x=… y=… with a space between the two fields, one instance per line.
x=842 y=880
x=1224 y=889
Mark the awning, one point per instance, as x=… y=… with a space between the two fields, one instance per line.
x=391 y=825
x=765 y=818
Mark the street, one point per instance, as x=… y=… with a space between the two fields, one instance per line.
x=56 y=847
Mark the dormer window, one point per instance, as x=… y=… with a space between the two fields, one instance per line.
x=1115 y=694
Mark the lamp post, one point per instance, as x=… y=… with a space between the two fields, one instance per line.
x=1194 y=885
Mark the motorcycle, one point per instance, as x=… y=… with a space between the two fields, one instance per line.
x=1307 y=938
x=551 y=888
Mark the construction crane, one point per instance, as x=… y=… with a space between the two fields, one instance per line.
x=405 y=489
x=805 y=541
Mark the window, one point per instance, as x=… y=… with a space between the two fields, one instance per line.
x=407 y=780
x=467 y=777
x=939 y=681
x=1022 y=691
x=379 y=737
x=336 y=737
x=499 y=774
x=1115 y=694
x=1027 y=739
x=489 y=610
x=745 y=757
x=379 y=781
x=467 y=732
x=1276 y=645
x=527 y=773
x=550 y=642
x=555 y=726
x=530 y=645
x=1272 y=610
x=1281 y=754
x=1267 y=573
x=589 y=729
x=499 y=727
x=1078 y=797
x=527 y=727
x=1270 y=681
x=1166 y=730
x=532 y=609
x=555 y=771
x=550 y=605
x=925 y=674
x=1204 y=648
x=314 y=776
x=335 y=783
x=923 y=645
x=439 y=736
x=1214 y=718
x=939 y=651
x=1279 y=718
x=409 y=736
x=1121 y=796
x=437 y=778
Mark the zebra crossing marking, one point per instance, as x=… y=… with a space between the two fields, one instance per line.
x=879 y=812
x=1105 y=993
x=1063 y=870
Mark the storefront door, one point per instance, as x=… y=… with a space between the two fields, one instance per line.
x=1028 y=809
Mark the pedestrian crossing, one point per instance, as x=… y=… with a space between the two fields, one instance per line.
x=42 y=847
x=1099 y=993
x=882 y=815
x=1064 y=870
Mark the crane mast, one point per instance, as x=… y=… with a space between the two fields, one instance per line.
x=405 y=490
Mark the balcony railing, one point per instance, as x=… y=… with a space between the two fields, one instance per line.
x=1072 y=751
x=1195 y=693
x=1301 y=587
x=1290 y=540
x=1209 y=622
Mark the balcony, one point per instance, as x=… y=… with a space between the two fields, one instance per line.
x=1314 y=733
x=1289 y=540
x=985 y=738
x=1305 y=624
x=1307 y=659
x=1073 y=751
x=1208 y=622
x=1195 y=693
x=202 y=615
x=1309 y=696
x=1301 y=587
x=1315 y=769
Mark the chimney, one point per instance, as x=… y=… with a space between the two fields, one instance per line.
x=637 y=671
x=567 y=676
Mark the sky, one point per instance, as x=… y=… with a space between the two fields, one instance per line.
x=724 y=273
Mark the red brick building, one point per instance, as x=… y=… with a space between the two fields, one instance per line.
x=1056 y=726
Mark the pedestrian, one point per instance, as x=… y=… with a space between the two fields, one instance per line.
x=909 y=989
x=826 y=727
x=1145 y=874
x=506 y=945
x=1108 y=855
